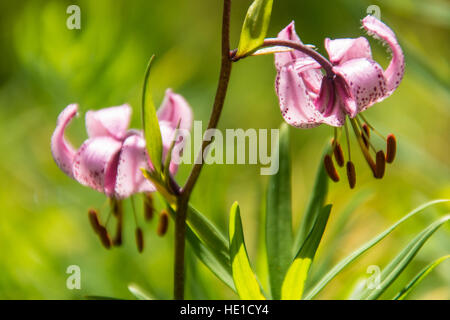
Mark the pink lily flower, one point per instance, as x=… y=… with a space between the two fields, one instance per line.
x=308 y=98
x=110 y=160
x=353 y=83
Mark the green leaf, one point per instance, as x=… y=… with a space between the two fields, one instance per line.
x=89 y=297
x=297 y=274
x=255 y=27
x=279 y=218
x=208 y=244
x=217 y=264
x=152 y=132
x=156 y=180
x=401 y=261
x=139 y=293
x=419 y=277
x=315 y=205
x=244 y=279
x=369 y=244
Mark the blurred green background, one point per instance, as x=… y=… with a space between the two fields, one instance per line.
x=44 y=67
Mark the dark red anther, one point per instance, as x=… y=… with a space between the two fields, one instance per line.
x=330 y=169
x=93 y=219
x=391 y=148
x=338 y=154
x=139 y=240
x=351 y=174
x=163 y=223
x=148 y=206
x=380 y=165
x=104 y=237
x=365 y=134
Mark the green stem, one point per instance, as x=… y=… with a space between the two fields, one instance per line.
x=183 y=198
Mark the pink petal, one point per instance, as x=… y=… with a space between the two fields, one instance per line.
x=283 y=58
x=132 y=158
x=305 y=65
x=342 y=50
x=95 y=164
x=110 y=122
x=365 y=81
x=295 y=102
x=62 y=151
x=395 y=70
x=308 y=69
x=326 y=99
x=175 y=108
x=329 y=104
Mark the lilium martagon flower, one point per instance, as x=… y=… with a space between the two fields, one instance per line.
x=352 y=82
x=111 y=159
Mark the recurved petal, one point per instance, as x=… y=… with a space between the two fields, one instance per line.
x=110 y=122
x=395 y=70
x=175 y=108
x=133 y=157
x=63 y=152
x=342 y=50
x=295 y=103
x=95 y=164
x=365 y=80
x=283 y=58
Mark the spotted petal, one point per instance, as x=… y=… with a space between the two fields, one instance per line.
x=132 y=158
x=95 y=164
x=395 y=70
x=295 y=102
x=110 y=122
x=63 y=152
x=342 y=50
x=365 y=80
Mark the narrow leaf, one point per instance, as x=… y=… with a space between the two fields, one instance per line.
x=255 y=27
x=208 y=244
x=357 y=253
x=244 y=279
x=279 y=218
x=297 y=274
x=152 y=131
x=315 y=205
x=401 y=261
x=138 y=292
x=419 y=277
x=218 y=264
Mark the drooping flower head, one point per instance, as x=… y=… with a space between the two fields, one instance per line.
x=110 y=160
x=309 y=98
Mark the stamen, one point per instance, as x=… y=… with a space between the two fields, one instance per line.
x=163 y=223
x=338 y=153
x=371 y=127
x=117 y=210
x=148 y=206
x=104 y=237
x=381 y=165
x=363 y=148
x=330 y=169
x=366 y=134
x=351 y=174
x=93 y=219
x=348 y=140
x=391 y=148
x=139 y=240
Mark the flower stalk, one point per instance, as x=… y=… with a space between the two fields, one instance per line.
x=183 y=198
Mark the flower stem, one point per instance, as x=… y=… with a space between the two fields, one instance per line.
x=326 y=65
x=183 y=199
